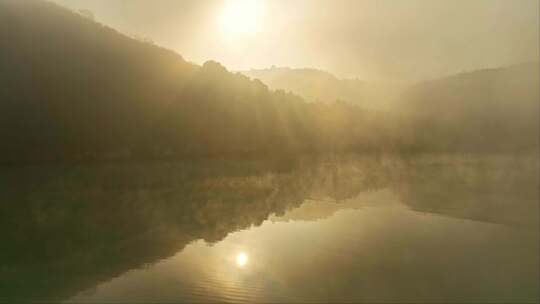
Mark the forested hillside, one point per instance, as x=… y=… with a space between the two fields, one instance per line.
x=74 y=89
x=72 y=86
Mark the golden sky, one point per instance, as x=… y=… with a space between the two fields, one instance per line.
x=369 y=39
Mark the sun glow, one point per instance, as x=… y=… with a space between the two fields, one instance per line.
x=241 y=17
x=241 y=259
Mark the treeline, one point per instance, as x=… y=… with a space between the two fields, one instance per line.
x=491 y=110
x=73 y=89
x=223 y=113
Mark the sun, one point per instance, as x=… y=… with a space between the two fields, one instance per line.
x=241 y=17
x=241 y=259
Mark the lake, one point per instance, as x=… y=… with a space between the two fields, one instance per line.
x=431 y=228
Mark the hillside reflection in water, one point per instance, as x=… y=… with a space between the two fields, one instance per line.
x=438 y=228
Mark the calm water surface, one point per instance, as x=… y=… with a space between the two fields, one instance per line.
x=430 y=229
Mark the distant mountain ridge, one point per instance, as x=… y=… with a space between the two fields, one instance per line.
x=317 y=85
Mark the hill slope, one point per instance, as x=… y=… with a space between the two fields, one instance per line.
x=494 y=109
x=70 y=83
x=73 y=88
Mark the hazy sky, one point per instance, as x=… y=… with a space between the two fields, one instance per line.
x=370 y=39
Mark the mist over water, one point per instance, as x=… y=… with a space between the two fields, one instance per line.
x=453 y=228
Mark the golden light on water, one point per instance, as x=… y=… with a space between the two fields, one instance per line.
x=241 y=18
x=241 y=259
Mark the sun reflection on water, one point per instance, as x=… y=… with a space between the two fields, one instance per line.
x=241 y=259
